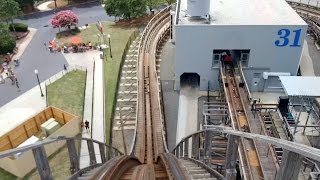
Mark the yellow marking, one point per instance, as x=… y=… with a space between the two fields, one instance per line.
x=242 y=120
x=253 y=159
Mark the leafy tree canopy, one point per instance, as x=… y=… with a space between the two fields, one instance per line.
x=9 y=9
x=25 y=3
x=124 y=8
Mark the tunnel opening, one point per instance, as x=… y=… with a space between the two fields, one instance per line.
x=231 y=56
x=190 y=79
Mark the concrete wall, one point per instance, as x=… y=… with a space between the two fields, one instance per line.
x=26 y=163
x=195 y=45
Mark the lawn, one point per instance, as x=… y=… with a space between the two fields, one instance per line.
x=119 y=37
x=67 y=93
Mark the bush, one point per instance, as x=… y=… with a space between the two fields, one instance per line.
x=19 y=27
x=7 y=44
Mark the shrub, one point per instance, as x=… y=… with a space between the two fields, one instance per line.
x=64 y=18
x=7 y=44
x=19 y=27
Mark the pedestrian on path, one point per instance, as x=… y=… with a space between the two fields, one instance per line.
x=12 y=78
x=82 y=125
x=45 y=45
x=87 y=126
x=17 y=84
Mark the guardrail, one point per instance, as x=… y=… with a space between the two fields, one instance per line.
x=41 y=158
x=181 y=150
x=312 y=3
x=243 y=79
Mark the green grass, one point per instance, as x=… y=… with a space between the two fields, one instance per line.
x=119 y=38
x=4 y=175
x=67 y=93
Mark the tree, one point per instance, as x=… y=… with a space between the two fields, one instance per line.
x=125 y=8
x=9 y=9
x=7 y=42
x=65 y=18
x=26 y=3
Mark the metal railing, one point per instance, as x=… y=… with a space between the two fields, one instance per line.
x=310 y=3
x=243 y=79
x=42 y=161
x=181 y=150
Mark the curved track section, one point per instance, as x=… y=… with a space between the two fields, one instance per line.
x=150 y=158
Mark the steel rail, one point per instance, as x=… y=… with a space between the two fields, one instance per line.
x=304 y=150
x=49 y=141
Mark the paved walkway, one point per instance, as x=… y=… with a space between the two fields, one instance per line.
x=22 y=44
x=96 y=114
x=44 y=6
x=18 y=110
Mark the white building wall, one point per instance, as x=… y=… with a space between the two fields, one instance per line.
x=195 y=45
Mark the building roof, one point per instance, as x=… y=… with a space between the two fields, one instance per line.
x=245 y=12
x=308 y=86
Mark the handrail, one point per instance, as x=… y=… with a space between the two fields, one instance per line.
x=48 y=141
x=304 y=4
x=304 y=150
x=245 y=82
x=206 y=167
x=177 y=12
x=171 y=163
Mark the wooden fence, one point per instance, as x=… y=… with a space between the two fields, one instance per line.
x=31 y=127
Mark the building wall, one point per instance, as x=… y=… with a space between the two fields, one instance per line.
x=195 y=45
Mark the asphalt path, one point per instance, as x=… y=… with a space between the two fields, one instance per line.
x=36 y=56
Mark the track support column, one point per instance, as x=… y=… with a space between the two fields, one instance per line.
x=232 y=148
x=290 y=166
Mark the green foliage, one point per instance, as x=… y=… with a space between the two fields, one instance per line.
x=9 y=9
x=19 y=27
x=7 y=43
x=124 y=8
x=25 y=3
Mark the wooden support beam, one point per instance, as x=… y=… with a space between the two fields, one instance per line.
x=231 y=158
x=186 y=148
x=208 y=142
x=73 y=156
x=290 y=166
x=92 y=154
x=181 y=149
x=42 y=163
x=102 y=153
x=195 y=146
x=178 y=151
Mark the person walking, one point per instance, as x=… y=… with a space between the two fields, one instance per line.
x=87 y=125
x=17 y=84
x=82 y=125
x=12 y=78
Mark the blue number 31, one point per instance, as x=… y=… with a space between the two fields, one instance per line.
x=284 y=40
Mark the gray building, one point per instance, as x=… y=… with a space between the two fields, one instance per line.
x=266 y=36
